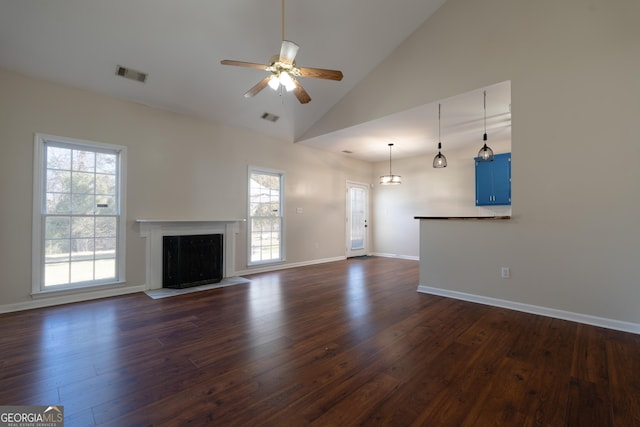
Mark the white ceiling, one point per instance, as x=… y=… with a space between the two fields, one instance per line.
x=180 y=44
x=415 y=132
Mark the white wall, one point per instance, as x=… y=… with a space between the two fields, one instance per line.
x=574 y=239
x=178 y=168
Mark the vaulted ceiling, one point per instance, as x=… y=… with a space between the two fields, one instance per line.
x=179 y=45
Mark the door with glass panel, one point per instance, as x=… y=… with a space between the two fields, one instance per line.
x=357 y=234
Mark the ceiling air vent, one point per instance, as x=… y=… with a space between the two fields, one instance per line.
x=270 y=117
x=347 y=151
x=130 y=74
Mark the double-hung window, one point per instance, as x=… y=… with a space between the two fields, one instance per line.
x=78 y=220
x=266 y=201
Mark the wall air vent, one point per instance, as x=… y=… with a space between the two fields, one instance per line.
x=347 y=151
x=130 y=74
x=270 y=117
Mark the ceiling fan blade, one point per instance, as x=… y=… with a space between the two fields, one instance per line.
x=288 y=52
x=320 y=73
x=257 y=88
x=300 y=93
x=243 y=64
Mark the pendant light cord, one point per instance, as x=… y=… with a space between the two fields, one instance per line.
x=485 y=114
x=439 y=138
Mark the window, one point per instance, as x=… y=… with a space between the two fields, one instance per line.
x=266 y=201
x=78 y=232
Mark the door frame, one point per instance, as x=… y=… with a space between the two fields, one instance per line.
x=360 y=252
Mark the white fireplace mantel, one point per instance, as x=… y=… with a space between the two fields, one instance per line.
x=153 y=230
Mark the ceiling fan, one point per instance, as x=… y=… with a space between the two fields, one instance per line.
x=284 y=71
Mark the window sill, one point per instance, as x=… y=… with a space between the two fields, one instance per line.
x=266 y=263
x=77 y=290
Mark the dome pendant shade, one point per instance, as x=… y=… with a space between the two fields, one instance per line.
x=439 y=161
x=390 y=179
x=485 y=154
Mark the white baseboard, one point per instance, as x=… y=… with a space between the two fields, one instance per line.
x=533 y=309
x=70 y=298
x=274 y=267
x=385 y=255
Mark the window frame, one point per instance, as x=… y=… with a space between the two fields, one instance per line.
x=41 y=142
x=281 y=174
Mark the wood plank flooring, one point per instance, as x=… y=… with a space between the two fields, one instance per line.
x=339 y=344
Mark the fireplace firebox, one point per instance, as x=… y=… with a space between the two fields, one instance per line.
x=192 y=260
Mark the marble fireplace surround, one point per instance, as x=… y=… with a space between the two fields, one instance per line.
x=153 y=230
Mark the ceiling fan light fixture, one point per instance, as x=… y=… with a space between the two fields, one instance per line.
x=274 y=82
x=287 y=81
x=284 y=71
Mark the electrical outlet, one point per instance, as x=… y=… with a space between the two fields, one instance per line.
x=505 y=272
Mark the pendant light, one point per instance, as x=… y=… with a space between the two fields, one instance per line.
x=390 y=179
x=485 y=154
x=439 y=161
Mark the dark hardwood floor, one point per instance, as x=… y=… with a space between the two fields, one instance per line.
x=339 y=344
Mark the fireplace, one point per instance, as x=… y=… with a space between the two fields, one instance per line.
x=154 y=232
x=191 y=260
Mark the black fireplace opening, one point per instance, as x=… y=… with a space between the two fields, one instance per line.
x=191 y=260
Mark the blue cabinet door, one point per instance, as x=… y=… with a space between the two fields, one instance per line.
x=493 y=181
x=484 y=183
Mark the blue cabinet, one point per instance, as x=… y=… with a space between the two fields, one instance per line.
x=493 y=181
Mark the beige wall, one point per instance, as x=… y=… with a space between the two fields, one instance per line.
x=572 y=244
x=426 y=191
x=574 y=241
x=178 y=168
